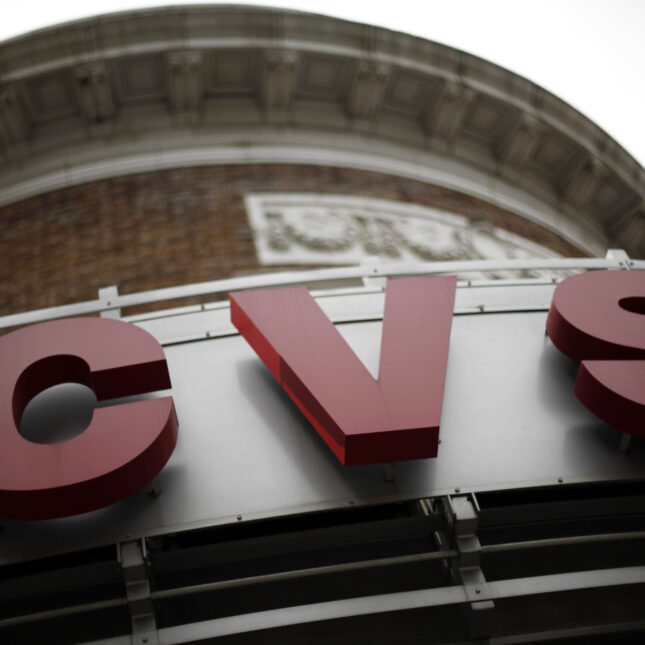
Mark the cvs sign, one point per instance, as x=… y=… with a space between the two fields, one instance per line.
x=597 y=318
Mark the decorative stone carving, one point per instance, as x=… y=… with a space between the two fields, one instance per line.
x=278 y=82
x=277 y=233
x=14 y=123
x=185 y=83
x=579 y=185
x=378 y=237
x=515 y=147
x=368 y=87
x=447 y=113
x=321 y=229
x=95 y=94
x=430 y=240
x=630 y=232
x=300 y=228
x=486 y=242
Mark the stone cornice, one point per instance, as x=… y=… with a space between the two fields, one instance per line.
x=112 y=87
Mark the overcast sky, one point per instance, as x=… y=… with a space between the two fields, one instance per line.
x=591 y=53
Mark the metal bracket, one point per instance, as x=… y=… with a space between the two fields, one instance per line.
x=624 y=260
x=625 y=440
x=132 y=556
x=626 y=264
x=153 y=489
x=464 y=516
x=107 y=295
x=372 y=264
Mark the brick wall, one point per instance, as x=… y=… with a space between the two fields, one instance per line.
x=178 y=226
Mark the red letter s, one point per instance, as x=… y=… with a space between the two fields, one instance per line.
x=597 y=318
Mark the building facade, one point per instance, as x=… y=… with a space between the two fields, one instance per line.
x=163 y=159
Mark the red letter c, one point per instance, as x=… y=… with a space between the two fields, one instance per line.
x=124 y=447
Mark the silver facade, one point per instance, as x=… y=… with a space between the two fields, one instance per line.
x=512 y=429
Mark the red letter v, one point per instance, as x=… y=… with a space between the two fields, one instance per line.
x=362 y=420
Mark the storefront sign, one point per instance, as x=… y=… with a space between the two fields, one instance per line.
x=597 y=318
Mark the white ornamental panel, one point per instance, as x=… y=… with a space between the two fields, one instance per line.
x=308 y=228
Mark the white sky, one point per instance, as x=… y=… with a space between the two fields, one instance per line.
x=591 y=53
